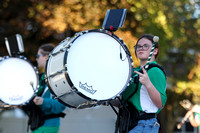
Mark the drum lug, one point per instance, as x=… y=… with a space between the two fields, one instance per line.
x=60 y=51
x=54 y=74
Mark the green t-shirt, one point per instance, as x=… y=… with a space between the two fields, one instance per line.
x=42 y=84
x=141 y=99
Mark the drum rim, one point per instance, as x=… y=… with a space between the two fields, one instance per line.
x=35 y=70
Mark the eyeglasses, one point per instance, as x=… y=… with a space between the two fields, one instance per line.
x=38 y=56
x=145 y=47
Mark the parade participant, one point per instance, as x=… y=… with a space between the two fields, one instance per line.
x=144 y=98
x=194 y=117
x=43 y=110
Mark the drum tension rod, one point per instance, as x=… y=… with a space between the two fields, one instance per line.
x=54 y=74
x=60 y=51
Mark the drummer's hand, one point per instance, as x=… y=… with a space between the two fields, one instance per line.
x=143 y=77
x=38 y=100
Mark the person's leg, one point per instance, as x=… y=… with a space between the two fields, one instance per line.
x=152 y=126
x=146 y=126
x=139 y=128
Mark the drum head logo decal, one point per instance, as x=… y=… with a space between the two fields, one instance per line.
x=87 y=88
x=16 y=98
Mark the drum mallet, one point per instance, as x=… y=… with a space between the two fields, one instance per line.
x=31 y=83
x=155 y=40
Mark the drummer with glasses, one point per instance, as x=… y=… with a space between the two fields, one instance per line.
x=145 y=97
x=44 y=102
x=145 y=47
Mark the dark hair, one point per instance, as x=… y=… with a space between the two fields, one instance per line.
x=46 y=48
x=149 y=37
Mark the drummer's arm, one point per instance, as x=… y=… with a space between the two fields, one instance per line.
x=194 y=119
x=53 y=105
x=193 y=122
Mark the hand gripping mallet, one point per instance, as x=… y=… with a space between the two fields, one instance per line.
x=155 y=40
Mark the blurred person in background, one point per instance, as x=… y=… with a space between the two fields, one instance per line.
x=194 y=116
x=44 y=111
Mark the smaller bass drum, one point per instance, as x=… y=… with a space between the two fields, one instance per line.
x=18 y=80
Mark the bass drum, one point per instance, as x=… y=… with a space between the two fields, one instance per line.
x=18 y=80
x=92 y=67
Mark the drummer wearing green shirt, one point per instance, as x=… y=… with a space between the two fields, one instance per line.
x=44 y=111
x=150 y=96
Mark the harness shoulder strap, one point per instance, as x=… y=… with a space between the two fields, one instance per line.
x=156 y=65
x=136 y=79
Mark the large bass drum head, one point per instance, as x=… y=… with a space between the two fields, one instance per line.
x=98 y=65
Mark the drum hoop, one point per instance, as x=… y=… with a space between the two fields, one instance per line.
x=123 y=45
x=34 y=68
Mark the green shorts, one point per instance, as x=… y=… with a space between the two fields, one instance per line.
x=46 y=130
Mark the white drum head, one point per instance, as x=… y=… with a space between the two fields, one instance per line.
x=15 y=81
x=95 y=68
